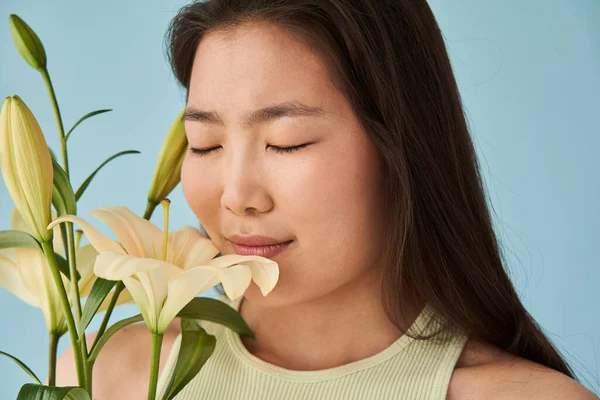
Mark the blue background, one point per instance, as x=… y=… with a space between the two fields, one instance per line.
x=529 y=74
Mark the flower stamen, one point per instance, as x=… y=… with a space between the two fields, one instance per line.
x=165 y=204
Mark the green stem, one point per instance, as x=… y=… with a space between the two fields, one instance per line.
x=75 y=296
x=61 y=129
x=156 y=345
x=113 y=301
x=74 y=284
x=52 y=358
x=89 y=363
x=48 y=249
x=90 y=359
x=150 y=206
x=89 y=366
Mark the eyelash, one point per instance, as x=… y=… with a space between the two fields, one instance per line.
x=281 y=150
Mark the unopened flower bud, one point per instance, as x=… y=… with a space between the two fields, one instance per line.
x=170 y=159
x=28 y=43
x=26 y=166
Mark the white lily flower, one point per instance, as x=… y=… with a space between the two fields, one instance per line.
x=162 y=280
x=25 y=272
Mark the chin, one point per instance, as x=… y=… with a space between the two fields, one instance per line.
x=282 y=295
x=275 y=298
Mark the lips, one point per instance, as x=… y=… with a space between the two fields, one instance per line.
x=268 y=251
x=257 y=245
x=255 y=240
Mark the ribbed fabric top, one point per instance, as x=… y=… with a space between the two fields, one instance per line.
x=407 y=369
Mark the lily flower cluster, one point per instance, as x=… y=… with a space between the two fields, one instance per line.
x=162 y=272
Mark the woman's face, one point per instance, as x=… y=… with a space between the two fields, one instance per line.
x=324 y=196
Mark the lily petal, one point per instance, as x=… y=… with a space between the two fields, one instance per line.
x=138 y=236
x=35 y=272
x=188 y=248
x=194 y=281
x=139 y=295
x=11 y=280
x=85 y=257
x=17 y=222
x=99 y=241
x=155 y=283
x=117 y=266
x=265 y=272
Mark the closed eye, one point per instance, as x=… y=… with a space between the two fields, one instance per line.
x=277 y=149
x=201 y=152
x=289 y=149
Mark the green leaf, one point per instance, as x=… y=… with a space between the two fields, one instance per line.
x=13 y=238
x=63 y=266
x=196 y=348
x=63 y=233
x=52 y=154
x=23 y=366
x=100 y=290
x=63 y=228
x=86 y=183
x=205 y=308
x=63 y=198
x=31 y=391
x=111 y=331
x=86 y=116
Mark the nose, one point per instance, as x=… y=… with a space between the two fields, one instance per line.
x=244 y=185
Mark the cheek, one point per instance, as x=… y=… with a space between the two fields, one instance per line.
x=200 y=193
x=330 y=200
x=328 y=203
x=190 y=184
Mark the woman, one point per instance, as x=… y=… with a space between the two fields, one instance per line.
x=334 y=131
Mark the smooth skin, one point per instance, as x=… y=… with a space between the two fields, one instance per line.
x=324 y=196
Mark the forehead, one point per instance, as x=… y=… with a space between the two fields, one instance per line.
x=257 y=64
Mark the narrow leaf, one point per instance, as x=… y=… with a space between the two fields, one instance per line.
x=63 y=233
x=13 y=238
x=206 y=308
x=111 y=331
x=196 y=348
x=86 y=116
x=63 y=266
x=86 y=183
x=52 y=154
x=31 y=391
x=63 y=197
x=23 y=366
x=56 y=199
x=100 y=290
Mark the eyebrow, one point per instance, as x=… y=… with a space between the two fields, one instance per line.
x=260 y=116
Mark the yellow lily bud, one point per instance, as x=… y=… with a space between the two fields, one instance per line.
x=27 y=42
x=168 y=167
x=26 y=166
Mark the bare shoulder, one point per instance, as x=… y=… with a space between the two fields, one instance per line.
x=122 y=368
x=484 y=371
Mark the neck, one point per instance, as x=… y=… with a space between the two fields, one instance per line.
x=341 y=327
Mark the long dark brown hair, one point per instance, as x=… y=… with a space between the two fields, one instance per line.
x=389 y=59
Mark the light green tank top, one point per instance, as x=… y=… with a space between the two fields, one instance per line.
x=407 y=369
